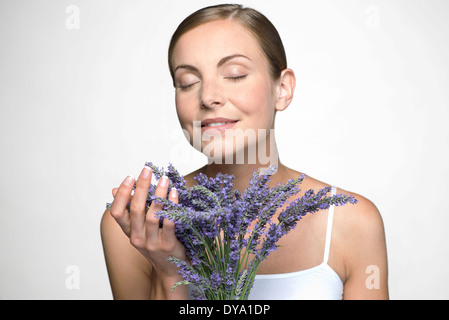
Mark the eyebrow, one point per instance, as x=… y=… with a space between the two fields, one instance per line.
x=219 y=64
x=226 y=59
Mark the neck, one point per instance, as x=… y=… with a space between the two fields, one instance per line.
x=244 y=172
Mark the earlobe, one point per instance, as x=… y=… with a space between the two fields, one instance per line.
x=287 y=83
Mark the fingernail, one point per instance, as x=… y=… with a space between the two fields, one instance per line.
x=129 y=180
x=163 y=182
x=146 y=172
x=173 y=193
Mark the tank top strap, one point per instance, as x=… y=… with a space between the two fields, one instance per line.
x=330 y=219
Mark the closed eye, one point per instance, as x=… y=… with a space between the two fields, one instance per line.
x=186 y=86
x=238 y=78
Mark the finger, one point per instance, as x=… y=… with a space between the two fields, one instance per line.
x=114 y=193
x=152 y=221
x=139 y=203
x=118 y=208
x=173 y=196
x=168 y=228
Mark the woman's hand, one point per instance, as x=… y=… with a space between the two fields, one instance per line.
x=154 y=242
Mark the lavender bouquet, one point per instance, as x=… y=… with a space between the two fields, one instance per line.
x=228 y=234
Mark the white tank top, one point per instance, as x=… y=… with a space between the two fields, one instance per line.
x=317 y=283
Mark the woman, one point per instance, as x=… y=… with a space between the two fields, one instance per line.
x=230 y=73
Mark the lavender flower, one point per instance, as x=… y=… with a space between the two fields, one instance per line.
x=227 y=234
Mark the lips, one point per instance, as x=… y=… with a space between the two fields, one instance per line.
x=219 y=124
x=216 y=122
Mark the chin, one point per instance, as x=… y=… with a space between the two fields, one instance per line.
x=230 y=151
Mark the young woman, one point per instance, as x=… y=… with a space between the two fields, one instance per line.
x=230 y=72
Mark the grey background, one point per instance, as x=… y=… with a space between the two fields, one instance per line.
x=84 y=103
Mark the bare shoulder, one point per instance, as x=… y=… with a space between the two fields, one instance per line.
x=361 y=221
x=117 y=246
x=358 y=226
x=358 y=247
x=359 y=242
x=110 y=230
x=129 y=272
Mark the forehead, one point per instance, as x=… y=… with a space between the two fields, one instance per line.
x=210 y=42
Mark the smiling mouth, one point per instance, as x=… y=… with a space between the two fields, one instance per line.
x=216 y=124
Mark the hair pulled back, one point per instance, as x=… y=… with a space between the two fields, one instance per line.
x=263 y=30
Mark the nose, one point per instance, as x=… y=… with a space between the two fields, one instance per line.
x=211 y=95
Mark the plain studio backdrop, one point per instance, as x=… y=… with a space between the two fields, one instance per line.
x=86 y=99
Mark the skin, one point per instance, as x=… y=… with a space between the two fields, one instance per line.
x=136 y=249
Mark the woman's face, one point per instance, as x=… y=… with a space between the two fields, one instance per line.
x=223 y=84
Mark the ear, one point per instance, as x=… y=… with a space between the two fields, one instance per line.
x=286 y=88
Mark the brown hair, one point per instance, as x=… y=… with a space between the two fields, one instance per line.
x=264 y=31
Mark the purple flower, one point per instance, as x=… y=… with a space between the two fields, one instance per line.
x=227 y=234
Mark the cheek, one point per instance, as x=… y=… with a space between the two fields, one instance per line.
x=183 y=110
x=255 y=100
x=186 y=120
